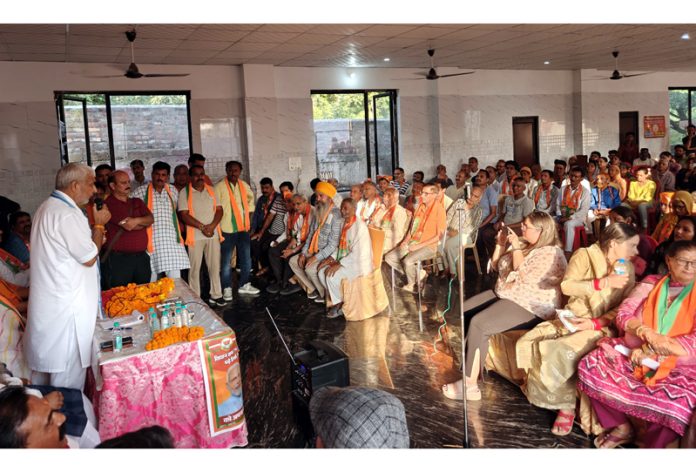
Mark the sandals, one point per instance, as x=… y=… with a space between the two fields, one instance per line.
x=453 y=391
x=563 y=424
x=611 y=440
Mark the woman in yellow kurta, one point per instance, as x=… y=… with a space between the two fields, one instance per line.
x=550 y=352
x=641 y=194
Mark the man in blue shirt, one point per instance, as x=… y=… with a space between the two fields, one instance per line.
x=485 y=244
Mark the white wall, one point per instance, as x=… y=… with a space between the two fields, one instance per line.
x=262 y=115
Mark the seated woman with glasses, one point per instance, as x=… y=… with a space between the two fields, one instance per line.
x=684 y=230
x=530 y=270
x=657 y=322
x=597 y=279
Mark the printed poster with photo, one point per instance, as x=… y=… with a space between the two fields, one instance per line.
x=654 y=126
x=222 y=375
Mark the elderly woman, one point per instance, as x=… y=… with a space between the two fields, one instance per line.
x=657 y=321
x=550 y=352
x=684 y=230
x=527 y=292
x=680 y=205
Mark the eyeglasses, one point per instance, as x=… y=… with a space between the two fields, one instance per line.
x=524 y=227
x=685 y=263
x=429 y=193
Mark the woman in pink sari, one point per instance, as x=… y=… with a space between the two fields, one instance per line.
x=658 y=323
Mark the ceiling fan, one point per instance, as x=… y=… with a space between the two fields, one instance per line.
x=432 y=73
x=616 y=75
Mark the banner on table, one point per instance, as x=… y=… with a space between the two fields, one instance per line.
x=222 y=375
x=654 y=126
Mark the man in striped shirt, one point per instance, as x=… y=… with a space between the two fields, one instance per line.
x=399 y=181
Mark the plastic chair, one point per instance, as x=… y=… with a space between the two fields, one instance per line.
x=579 y=238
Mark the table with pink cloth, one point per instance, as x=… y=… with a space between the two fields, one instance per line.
x=137 y=388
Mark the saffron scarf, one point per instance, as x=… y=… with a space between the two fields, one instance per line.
x=305 y=224
x=314 y=244
x=150 y=206
x=8 y=291
x=675 y=319
x=190 y=238
x=571 y=202
x=240 y=221
x=388 y=216
x=537 y=195
x=343 y=242
x=12 y=262
x=421 y=215
x=10 y=306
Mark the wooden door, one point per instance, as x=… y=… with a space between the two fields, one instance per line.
x=525 y=139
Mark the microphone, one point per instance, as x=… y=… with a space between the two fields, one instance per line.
x=98 y=203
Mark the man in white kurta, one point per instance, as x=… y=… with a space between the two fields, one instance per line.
x=393 y=219
x=369 y=204
x=64 y=298
x=352 y=258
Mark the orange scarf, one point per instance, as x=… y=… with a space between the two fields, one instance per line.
x=190 y=238
x=11 y=306
x=343 y=242
x=240 y=221
x=571 y=202
x=506 y=188
x=305 y=224
x=420 y=218
x=365 y=205
x=665 y=227
x=388 y=216
x=150 y=205
x=537 y=195
x=9 y=291
x=314 y=244
x=12 y=262
x=653 y=313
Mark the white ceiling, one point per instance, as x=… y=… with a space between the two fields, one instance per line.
x=467 y=46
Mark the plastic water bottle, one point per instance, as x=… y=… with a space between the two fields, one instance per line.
x=177 y=318
x=154 y=323
x=117 y=337
x=188 y=315
x=165 y=319
x=620 y=267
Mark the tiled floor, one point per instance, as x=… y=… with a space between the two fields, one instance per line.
x=388 y=352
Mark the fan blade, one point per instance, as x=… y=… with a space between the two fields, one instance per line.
x=102 y=76
x=166 y=75
x=422 y=74
x=598 y=78
x=454 y=75
x=636 y=75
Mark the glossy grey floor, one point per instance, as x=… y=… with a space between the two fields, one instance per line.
x=388 y=352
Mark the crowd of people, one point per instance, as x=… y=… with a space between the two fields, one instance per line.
x=105 y=228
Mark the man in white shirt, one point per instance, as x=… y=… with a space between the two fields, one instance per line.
x=138 y=170
x=545 y=196
x=64 y=299
x=393 y=219
x=573 y=206
x=473 y=168
x=370 y=202
x=352 y=258
x=456 y=191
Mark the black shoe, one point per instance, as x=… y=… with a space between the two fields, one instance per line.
x=290 y=289
x=217 y=302
x=273 y=288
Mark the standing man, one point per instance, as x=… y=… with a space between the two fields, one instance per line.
x=125 y=257
x=199 y=160
x=181 y=177
x=165 y=244
x=399 y=181
x=64 y=299
x=351 y=259
x=324 y=233
x=102 y=173
x=272 y=225
x=138 y=170
x=202 y=213
x=573 y=205
x=237 y=202
x=427 y=227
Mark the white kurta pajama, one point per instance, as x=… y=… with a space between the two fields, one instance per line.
x=356 y=263
x=64 y=297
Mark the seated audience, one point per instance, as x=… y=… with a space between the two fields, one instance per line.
x=473 y=169
x=369 y=203
x=16 y=240
x=662 y=175
x=549 y=353
x=644 y=160
x=684 y=230
x=545 y=195
x=530 y=270
x=7 y=207
x=603 y=165
x=359 y=418
x=382 y=184
x=152 y=437
x=646 y=245
x=457 y=190
x=559 y=173
x=493 y=175
x=467 y=216
x=13 y=270
x=351 y=259
x=604 y=199
x=686 y=177
x=441 y=177
x=573 y=206
x=680 y=205
x=626 y=172
x=618 y=182
x=641 y=195
x=485 y=243
x=592 y=172
x=515 y=207
x=531 y=183
x=287 y=186
x=12 y=324
x=427 y=227
x=393 y=219
x=501 y=173
x=657 y=321
x=313 y=185
x=267 y=224
x=125 y=258
x=289 y=243
x=536 y=172
x=322 y=241
x=399 y=181
x=356 y=193
x=512 y=170
x=614 y=159
x=414 y=199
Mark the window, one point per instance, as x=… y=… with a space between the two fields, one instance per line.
x=682 y=111
x=355 y=134
x=117 y=127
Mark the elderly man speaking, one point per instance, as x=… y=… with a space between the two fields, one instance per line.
x=64 y=298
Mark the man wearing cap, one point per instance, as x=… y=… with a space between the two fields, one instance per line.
x=427 y=227
x=324 y=234
x=529 y=181
x=358 y=418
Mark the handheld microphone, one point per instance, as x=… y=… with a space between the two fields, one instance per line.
x=98 y=203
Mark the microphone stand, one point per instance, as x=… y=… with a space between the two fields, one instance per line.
x=461 y=316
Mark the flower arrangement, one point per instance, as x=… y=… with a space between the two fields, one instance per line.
x=125 y=299
x=173 y=335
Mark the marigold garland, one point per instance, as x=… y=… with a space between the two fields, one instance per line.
x=126 y=299
x=173 y=335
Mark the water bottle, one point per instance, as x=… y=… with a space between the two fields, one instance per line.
x=177 y=318
x=117 y=337
x=188 y=315
x=620 y=267
x=154 y=323
x=165 y=319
